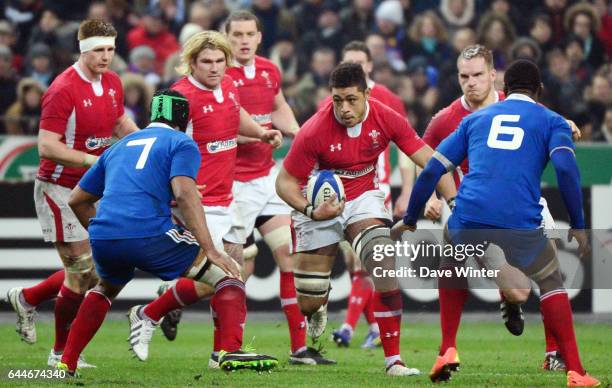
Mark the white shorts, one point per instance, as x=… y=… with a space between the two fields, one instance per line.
x=58 y=222
x=253 y=199
x=219 y=219
x=308 y=234
x=548 y=222
x=386 y=188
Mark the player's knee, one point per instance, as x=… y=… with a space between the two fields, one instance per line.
x=80 y=273
x=309 y=305
x=312 y=288
x=517 y=295
x=375 y=249
x=250 y=252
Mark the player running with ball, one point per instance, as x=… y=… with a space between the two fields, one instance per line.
x=347 y=136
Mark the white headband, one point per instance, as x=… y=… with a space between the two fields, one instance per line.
x=96 y=41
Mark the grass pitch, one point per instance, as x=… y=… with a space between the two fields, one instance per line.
x=490 y=356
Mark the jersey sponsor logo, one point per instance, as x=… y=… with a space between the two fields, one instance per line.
x=207 y=109
x=335 y=147
x=87 y=102
x=348 y=174
x=262 y=119
x=220 y=145
x=94 y=143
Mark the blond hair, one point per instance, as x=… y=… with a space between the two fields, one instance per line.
x=212 y=40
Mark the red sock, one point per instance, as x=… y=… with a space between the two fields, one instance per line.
x=217 y=327
x=368 y=311
x=502 y=297
x=182 y=294
x=388 y=313
x=88 y=321
x=452 y=294
x=66 y=308
x=45 y=290
x=557 y=312
x=361 y=291
x=295 y=319
x=551 y=342
x=230 y=306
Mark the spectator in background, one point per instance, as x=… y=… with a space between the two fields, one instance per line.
x=8 y=82
x=170 y=75
x=605 y=32
x=8 y=39
x=142 y=61
x=540 y=30
x=428 y=39
x=525 y=48
x=328 y=33
x=424 y=81
x=377 y=46
x=200 y=14
x=23 y=15
x=573 y=47
x=598 y=98
x=23 y=116
x=173 y=12
x=605 y=132
x=218 y=11
x=495 y=31
x=582 y=20
x=562 y=92
x=40 y=64
x=321 y=66
x=358 y=19
x=58 y=34
x=306 y=14
x=284 y=57
x=273 y=19
x=153 y=32
x=137 y=98
x=390 y=25
x=457 y=14
x=555 y=9
x=505 y=7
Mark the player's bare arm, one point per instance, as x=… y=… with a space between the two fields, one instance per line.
x=406 y=169
x=124 y=126
x=249 y=128
x=188 y=200
x=288 y=188
x=283 y=117
x=50 y=146
x=82 y=204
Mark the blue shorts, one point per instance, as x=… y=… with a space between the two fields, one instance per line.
x=167 y=256
x=521 y=247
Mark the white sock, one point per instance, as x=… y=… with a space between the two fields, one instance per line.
x=300 y=350
x=374 y=327
x=392 y=359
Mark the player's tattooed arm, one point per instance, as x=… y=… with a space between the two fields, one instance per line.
x=283 y=117
x=446 y=185
x=50 y=146
x=124 y=126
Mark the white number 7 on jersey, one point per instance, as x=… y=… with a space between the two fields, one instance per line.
x=498 y=129
x=147 y=143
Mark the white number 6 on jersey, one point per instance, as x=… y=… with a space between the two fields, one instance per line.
x=147 y=143
x=498 y=129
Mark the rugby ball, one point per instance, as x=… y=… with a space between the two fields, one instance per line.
x=322 y=185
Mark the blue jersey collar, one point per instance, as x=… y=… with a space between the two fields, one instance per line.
x=157 y=124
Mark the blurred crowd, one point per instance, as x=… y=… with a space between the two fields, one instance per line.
x=414 y=44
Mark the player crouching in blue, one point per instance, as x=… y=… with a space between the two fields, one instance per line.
x=508 y=145
x=135 y=181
